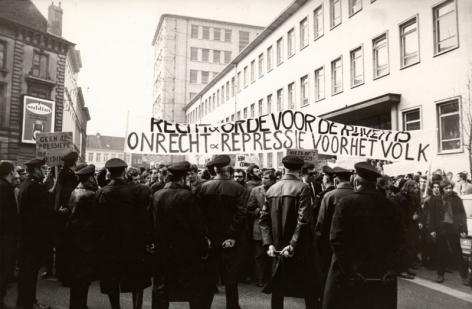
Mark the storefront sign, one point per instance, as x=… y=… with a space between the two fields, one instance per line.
x=277 y=132
x=53 y=146
x=38 y=117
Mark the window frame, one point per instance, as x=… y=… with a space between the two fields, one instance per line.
x=436 y=51
x=253 y=71
x=269 y=58
x=291 y=47
x=306 y=91
x=361 y=48
x=269 y=103
x=215 y=31
x=196 y=53
x=401 y=25
x=280 y=103
x=191 y=31
x=374 y=67
x=3 y=63
x=291 y=95
x=304 y=42
x=351 y=13
x=458 y=99
x=216 y=52
x=38 y=66
x=333 y=92
x=260 y=62
x=404 y=112
x=203 y=33
x=228 y=38
x=331 y=14
x=279 y=52
x=317 y=99
x=315 y=23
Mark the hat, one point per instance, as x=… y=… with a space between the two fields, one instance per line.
x=221 y=160
x=367 y=171
x=71 y=156
x=292 y=162
x=80 y=166
x=115 y=163
x=87 y=170
x=339 y=171
x=327 y=170
x=209 y=164
x=179 y=168
x=36 y=162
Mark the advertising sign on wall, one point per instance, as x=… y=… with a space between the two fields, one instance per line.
x=38 y=117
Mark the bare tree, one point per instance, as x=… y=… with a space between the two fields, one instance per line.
x=467 y=117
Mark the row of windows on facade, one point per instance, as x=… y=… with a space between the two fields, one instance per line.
x=444 y=17
x=40 y=62
x=97 y=157
x=204 y=76
x=203 y=55
x=218 y=34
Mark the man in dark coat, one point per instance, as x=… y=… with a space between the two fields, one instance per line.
x=364 y=239
x=181 y=245
x=287 y=227
x=80 y=238
x=36 y=219
x=327 y=184
x=222 y=201
x=125 y=236
x=9 y=226
x=325 y=217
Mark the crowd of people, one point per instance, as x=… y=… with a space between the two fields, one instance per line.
x=338 y=238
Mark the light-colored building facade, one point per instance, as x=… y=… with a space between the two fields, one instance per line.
x=101 y=148
x=400 y=65
x=75 y=113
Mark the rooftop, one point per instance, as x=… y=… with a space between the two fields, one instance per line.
x=104 y=142
x=23 y=12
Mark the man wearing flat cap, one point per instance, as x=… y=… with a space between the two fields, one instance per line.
x=36 y=233
x=364 y=239
x=327 y=184
x=222 y=201
x=325 y=216
x=124 y=236
x=287 y=226
x=80 y=238
x=181 y=244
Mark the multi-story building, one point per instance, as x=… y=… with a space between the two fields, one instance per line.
x=75 y=113
x=101 y=148
x=400 y=65
x=32 y=68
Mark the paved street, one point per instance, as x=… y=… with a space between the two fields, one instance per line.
x=419 y=293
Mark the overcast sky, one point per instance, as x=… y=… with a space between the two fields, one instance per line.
x=114 y=38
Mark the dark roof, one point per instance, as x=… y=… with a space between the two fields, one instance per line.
x=105 y=142
x=23 y=12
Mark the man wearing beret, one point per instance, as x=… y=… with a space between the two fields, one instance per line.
x=364 y=239
x=80 y=238
x=124 y=236
x=222 y=201
x=181 y=245
x=36 y=234
x=325 y=216
x=9 y=226
x=287 y=227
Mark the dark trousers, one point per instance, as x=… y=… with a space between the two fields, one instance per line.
x=78 y=294
x=277 y=302
x=448 y=247
x=30 y=260
x=7 y=263
x=160 y=295
x=262 y=261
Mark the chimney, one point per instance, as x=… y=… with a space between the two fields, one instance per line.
x=55 y=19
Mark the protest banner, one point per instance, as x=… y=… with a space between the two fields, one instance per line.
x=277 y=132
x=307 y=155
x=53 y=146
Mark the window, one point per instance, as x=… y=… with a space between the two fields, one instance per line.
x=216 y=56
x=280 y=99
x=232 y=117
x=303 y=33
x=336 y=76
x=90 y=157
x=206 y=33
x=245 y=113
x=380 y=52
x=354 y=6
x=227 y=57
x=261 y=65
x=228 y=34
x=318 y=21
x=205 y=55
x=291 y=96
x=222 y=94
x=105 y=157
x=449 y=126
x=227 y=119
x=239 y=81
x=253 y=69
x=98 y=157
x=319 y=84
x=253 y=107
x=217 y=34
x=270 y=164
x=290 y=43
x=245 y=77
x=304 y=90
x=232 y=86
x=269 y=58
x=260 y=106
x=217 y=99
x=269 y=104
x=205 y=77
x=238 y=115
x=357 y=67
x=193 y=54
x=445 y=27
x=409 y=43
x=280 y=47
x=40 y=65
x=335 y=12
x=243 y=39
x=3 y=55
x=194 y=32
x=3 y=104
x=227 y=91
x=193 y=76
x=411 y=120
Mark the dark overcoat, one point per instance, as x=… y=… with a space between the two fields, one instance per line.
x=125 y=232
x=223 y=205
x=364 y=239
x=80 y=237
x=287 y=219
x=180 y=242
